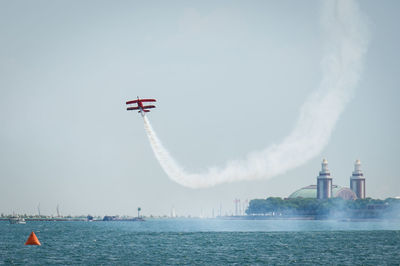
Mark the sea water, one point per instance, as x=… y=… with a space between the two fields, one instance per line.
x=203 y=241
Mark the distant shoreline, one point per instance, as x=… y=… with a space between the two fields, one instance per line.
x=238 y=218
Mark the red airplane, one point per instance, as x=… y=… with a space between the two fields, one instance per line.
x=142 y=108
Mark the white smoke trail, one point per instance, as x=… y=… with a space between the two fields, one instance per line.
x=346 y=43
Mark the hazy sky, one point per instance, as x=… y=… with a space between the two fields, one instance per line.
x=229 y=78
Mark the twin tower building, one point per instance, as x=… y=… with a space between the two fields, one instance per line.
x=324 y=181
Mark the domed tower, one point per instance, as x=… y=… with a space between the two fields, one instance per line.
x=324 y=182
x=357 y=181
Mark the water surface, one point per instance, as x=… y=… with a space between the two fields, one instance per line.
x=202 y=241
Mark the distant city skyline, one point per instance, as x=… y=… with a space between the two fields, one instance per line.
x=229 y=78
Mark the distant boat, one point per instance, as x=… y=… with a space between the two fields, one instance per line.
x=17 y=220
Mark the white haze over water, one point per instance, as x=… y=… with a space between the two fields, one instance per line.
x=345 y=38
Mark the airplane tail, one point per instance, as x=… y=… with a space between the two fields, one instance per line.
x=143 y=112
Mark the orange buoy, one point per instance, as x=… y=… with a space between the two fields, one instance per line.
x=32 y=240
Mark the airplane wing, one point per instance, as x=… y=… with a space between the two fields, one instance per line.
x=132 y=108
x=147 y=100
x=131 y=102
x=149 y=106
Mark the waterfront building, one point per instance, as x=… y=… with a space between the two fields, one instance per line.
x=324 y=182
x=357 y=181
x=325 y=188
x=310 y=192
